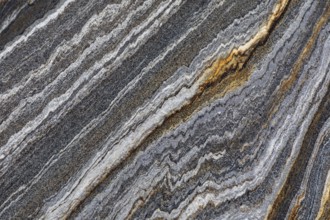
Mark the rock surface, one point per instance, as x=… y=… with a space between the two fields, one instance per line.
x=165 y=109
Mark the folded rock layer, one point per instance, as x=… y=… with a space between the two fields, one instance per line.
x=165 y=109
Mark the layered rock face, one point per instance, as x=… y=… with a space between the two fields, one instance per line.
x=165 y=109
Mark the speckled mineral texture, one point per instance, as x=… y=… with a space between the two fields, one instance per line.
x=165 y=109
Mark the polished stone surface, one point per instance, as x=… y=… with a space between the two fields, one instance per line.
x=165 y=109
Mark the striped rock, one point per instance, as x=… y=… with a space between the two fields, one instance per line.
x=165 y=109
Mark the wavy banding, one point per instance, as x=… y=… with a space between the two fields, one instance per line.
x=164 y=109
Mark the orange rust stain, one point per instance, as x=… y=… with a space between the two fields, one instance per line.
x=224 y=74
x=223 y=65
x=295 y=209
x=324 y=211
x=239 y=56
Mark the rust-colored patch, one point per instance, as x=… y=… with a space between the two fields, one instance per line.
x=226 y=74
x=295 y=209
x=324 y=211
x=239 y=56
